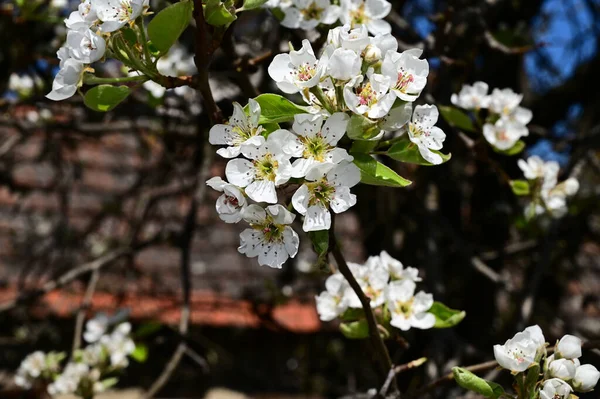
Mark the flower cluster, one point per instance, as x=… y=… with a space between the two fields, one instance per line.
x=547 y=194
x=506 y=121
x=390 y=287
x=88 y=28
x=90 y=370
x=562 y=372
x=307 y=14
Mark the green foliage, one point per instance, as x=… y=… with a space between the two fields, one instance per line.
x=218 y=13
x=514 y=150
x=470 y=381
x=277 y=109
x=520 y=187
x=376 y=173
x=457 y=118
x=140 y=353
x=103 y=98
x=109 y=382
x=320 y=241
x=147 y=329
x=361 y=128
x=407 y=151
x=252 y=4
x=355 y=330
x=446 y=317
x=166 y=27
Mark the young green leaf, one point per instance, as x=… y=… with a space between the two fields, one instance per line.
x=140 y=353
x=520 y=187
x=470 y=381
x=361 y=128
x=444 y=316
x=252 y=4
x=514 y=150
x=457 y=118
x=166 y=27
x=103 y=98
x=355 y=330
x=376 y=173
x=407 y=151
x=218 y=14
x=363 y=146
x=275 y=109
x=320 y=241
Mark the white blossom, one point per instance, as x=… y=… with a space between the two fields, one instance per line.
x=269 y=168
x=373 y=280
x=342 y=64
x=83 y=18
x=66 y=81
x=31 y=368
x=333 y=302
x=270 y=237
x=535 y=168
x=519 y=352
x=397 y=270
x=297 y=70
x=569 y=347
x=119 y=345
x=423 y=132
x=232 y=203
x=555 y=389
x=378 y=47
x=85 y=45
x=504 y=134
x=115 y=14
x=366 y=12
x=504 y=102
x=586 y=378
x=241 y=132
x=407 y=73
x=95 y=328
x=472 y=97
x=562 y=368
x=370 y=97
x=407 y=309
x=68 y=381
x=307 y=14
x=327 y=186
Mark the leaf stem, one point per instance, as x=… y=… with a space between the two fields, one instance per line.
x=94 y=80
x=318 y=92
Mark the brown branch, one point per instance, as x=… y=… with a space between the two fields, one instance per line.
x=397 y=370
x=85 y=303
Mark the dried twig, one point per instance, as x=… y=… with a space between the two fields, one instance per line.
x=85 y=303
x=397 y=370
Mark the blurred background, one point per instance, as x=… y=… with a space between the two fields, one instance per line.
x=120 y=189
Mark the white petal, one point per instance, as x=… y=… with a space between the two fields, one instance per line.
x=335 y=127
x=379 y=27
x=300 y=199
x=262 y=191
x=377 y=9
x=216 y=183
x=344 y=174
x=342 y=200
x=317 y=218
x=422 y=320
x=239 y=172
x=307 y=125
x=280 y=68
x=291 y=241
x=229 y=152
x=280 y=214
x=429 y=156
x=250 y=242
x=254 y=214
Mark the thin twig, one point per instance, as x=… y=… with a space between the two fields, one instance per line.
x=85 y=303
x=397 y=370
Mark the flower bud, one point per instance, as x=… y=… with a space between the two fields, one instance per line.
x=372 y=54
x=586 y=378
x=569 y=347
x=563 y=368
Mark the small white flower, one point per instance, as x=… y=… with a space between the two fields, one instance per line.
x=555 y=197
x=407 y=73
x=586 y=378
x=373 y=280
x=356 y=39
x=96 y=328
x=327 y=186
x=424 y=134
x=472 y=97
x=85 y=46
x=342 y=64
x=119 y=345
x=535 y=168
x=379 y=47
x=22 y=84
x=569 y=347
x=504 y=134
x=68 y=381
x=409 y=310
x=241 y=132
x=315 y=142
x=269 y=168
x=397 y=270
x=555 y=389
x=397 y=118
x=231 y=204
x=66 y=80
x=562 y=368
x=297 y=70
x=34 y=364
x=519 y=352
x=505 y=101
x=366 y=12
x=332 y=302
x=83 y=18
x=307 y=14
x=270 y=236
x=115 y=14
x=369 y=97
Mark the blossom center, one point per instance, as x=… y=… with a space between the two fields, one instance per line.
x=321 y=193
x=315 y=147
x=272 y=231
x=124 y=11
x=404 y=79
x=366 y=95
x=231 y=200
x=416 y=130
x=306 y=72
x=358 y=16
x=405 y=307
x=266 y=167
x=244 y=134
x=313 y=11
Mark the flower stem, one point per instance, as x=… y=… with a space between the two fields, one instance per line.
x=94 y=80
x=144 y=40
x=318 y=92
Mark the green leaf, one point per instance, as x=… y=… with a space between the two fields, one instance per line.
x=252 y=4
x=166 y=27
x=470 y=381
x=278 y=13
x=320 y=241
x=105 y=97
x=355 y=330
x=457 y=118
x=217 y=13
x=444 y=316
x=376 y=173
x=352 y=314
x=514 y=150
x=363 y=146
x=361 y=128
x=520 y=187
x=147 y=329
x=140 y=353
x=271 y=127
x=276 y=109
x=109 y=382
x=407 y=151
